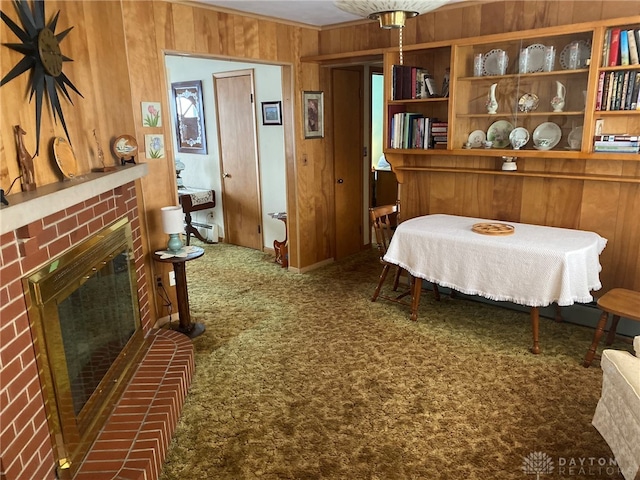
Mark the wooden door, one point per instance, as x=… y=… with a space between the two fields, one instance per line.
x=238 y=158
x=348 y=159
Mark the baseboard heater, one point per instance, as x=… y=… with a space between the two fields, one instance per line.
x=212 y=236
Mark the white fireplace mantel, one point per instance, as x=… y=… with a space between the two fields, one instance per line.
x=27 y=207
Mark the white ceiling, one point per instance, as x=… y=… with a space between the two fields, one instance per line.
x=319 y=13
x=310 y=12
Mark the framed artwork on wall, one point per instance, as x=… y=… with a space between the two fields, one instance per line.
x=151 y=114
x=190 y=127
x=272 y=113
x=313 y=114
x=154 y=146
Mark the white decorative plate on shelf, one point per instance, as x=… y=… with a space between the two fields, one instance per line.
x=546 y=136
x=528 y=102
x=499 y=132
x=536 y=57
x=491 y=62
x=476 y=138
x=584 y=54
x=519 y=137
x=574 y=139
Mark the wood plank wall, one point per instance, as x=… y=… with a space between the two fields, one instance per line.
x=118 y=50
x=611 y=209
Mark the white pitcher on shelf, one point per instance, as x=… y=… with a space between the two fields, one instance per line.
x=557 y=102
x=492 y=103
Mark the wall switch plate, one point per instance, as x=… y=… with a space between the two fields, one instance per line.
x=172 y=279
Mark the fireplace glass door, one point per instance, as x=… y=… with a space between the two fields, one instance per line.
x=94 y=331
x=85 y=319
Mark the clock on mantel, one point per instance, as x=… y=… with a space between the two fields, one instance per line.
x=43 y=56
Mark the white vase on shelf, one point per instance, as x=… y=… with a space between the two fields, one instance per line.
x=492 y=103
x=557 y=102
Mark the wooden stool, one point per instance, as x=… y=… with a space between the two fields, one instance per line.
x=620 y=303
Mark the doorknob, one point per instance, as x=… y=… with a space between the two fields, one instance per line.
x=340 y=180
x=226 y=175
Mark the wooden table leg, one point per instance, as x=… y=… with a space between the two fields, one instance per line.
x=535 y=325
x=596 y=339
x=185 y=325
x=415 y=298
x=191 y=230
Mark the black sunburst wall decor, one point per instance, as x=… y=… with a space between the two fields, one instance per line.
x=43 y=57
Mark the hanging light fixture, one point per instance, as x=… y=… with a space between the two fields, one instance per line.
x=390 y=13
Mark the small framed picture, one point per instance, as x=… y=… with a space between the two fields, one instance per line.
x=313 y=114
x=151 y=114
x=154 y=146
x=272 y=113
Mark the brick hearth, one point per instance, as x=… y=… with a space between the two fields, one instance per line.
x=133 y=444
x=36 y=228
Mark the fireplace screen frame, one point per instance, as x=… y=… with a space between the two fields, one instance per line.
x=73 y=435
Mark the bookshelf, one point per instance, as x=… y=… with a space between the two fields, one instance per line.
x=524 y=95
x=617 y=105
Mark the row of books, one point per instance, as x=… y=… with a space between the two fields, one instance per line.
x=619 y=90
x=621 y=47
x=411 y=82
x=616 y=143
x=413 y=130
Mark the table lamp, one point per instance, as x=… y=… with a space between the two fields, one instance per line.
x=173 y=224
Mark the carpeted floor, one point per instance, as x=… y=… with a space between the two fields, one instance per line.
x=303 y=377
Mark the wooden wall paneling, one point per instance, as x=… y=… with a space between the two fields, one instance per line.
x=207 y=34
x=267 y=47
x=112 y=74
x=225 y=37
x=15 y=111
x=447 y=24
x=95 y=44
x=415 y=195
x=162 y=14
x=485 y=185
x=565 y=200
x=599 y=213
x=289 y=125
x=251 y=37
x=148 y=83
x=507 y=198
x=627 y=248
x=534 y=201
x=182 y=20
x=492 y=18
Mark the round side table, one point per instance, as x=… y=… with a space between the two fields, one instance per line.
x=185 y=325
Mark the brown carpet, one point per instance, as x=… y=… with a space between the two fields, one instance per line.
x=303 y=377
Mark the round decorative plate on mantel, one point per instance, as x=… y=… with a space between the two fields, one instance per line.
x=65 y=158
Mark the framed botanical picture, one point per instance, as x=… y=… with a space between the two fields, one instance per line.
x=190 y=130
x=154 y=146
x=272 y=113
x=313 y=114
x=151 y=114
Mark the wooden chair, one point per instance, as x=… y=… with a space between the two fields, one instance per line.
x=384 y=220
x=620 y=303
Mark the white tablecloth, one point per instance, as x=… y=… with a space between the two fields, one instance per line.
x=535 y=266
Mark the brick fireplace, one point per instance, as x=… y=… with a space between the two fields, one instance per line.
x=36 y=228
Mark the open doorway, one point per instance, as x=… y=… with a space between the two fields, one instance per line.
x=384 y=186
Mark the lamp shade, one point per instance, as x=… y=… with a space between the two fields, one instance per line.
x=172 y=219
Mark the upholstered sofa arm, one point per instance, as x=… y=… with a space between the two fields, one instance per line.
x=617 y=415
